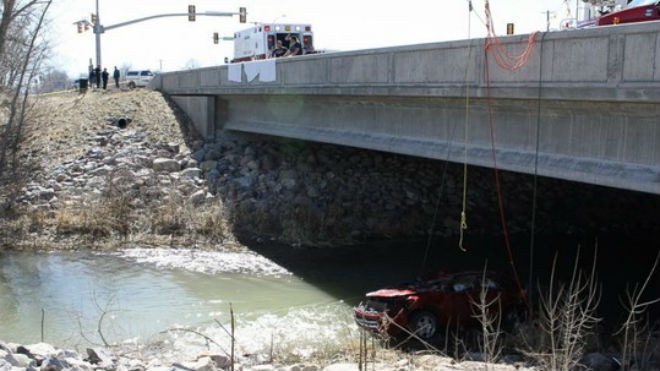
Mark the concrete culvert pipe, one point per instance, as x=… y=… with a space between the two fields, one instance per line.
x=122 y=122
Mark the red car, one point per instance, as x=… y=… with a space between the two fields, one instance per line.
x=426 y=306
x=635 y=11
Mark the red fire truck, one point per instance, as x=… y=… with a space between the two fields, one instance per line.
x=635 y=11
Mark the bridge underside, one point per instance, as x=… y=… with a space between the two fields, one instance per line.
x=583 y=107
x=594 y=142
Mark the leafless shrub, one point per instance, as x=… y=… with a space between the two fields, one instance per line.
x=636 y=329
x=567 y=317
x=117 y=201
x=488 y=314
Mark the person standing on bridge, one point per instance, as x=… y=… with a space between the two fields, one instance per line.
x=92 y=76
x=115 y=75
x=97 y=75
x=105 y=76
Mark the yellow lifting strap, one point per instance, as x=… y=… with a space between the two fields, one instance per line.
x=463 y=223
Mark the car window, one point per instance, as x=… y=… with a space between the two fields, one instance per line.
x=132 y=73
x=635 y=3
x=145 y=73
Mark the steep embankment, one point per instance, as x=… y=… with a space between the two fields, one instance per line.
x=150 y=181
x=111 y=167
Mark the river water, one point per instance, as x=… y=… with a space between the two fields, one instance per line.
x=146 y=294
x=297 y=298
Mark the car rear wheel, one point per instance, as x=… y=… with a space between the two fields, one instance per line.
x=131 y=85
x=424 y=325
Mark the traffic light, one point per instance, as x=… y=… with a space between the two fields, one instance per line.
x=509 y=28
x=86 y=26
x=93 y=18
x=191 y=13
x=216 y=38
x=242 y=13
x=80 y=27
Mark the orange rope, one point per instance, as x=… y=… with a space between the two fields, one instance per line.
x=510 y=63
x=501 y=56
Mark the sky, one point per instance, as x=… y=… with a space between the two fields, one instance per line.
x=174 y=43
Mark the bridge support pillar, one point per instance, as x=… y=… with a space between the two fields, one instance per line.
x=201 y=110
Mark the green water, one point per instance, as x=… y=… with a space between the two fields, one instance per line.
x=78 y=292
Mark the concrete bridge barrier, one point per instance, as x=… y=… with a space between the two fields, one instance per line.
x=585 y=106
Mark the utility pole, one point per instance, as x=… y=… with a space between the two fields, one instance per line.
x=547 y=20
x=97 y=34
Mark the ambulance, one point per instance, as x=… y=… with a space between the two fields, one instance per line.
x=258 y=42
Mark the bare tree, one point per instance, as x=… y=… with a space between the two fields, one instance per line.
x=22 y=49
x=11 y=11
x=52 y=80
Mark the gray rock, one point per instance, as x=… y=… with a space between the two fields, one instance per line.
x=343 y=367
x=198 y=197
x=213 y=155
x=41 y=349
x=160 y=368
x=199 y=155
x=5 y=366
x=8 y=357
x=599 y=362
x=54 y=364
x=289 y=183
x=165 y=165
x=191 y=172
x=192 y=163
x=23 y=360
x=46 y=193
x=253 y=165
x=100 y=356
x=102 y=171
x=208 y=165
x=220 y=361
x=312 y=192
x=244 y=182
x=263 y=368
x=173 y=147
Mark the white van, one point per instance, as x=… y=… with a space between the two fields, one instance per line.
x=138 y=78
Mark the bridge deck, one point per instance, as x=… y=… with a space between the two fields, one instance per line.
x=585 y=106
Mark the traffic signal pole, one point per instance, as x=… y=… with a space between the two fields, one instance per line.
x=97 y=34
x=99 y=29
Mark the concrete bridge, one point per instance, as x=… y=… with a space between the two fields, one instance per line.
x=585 y=106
